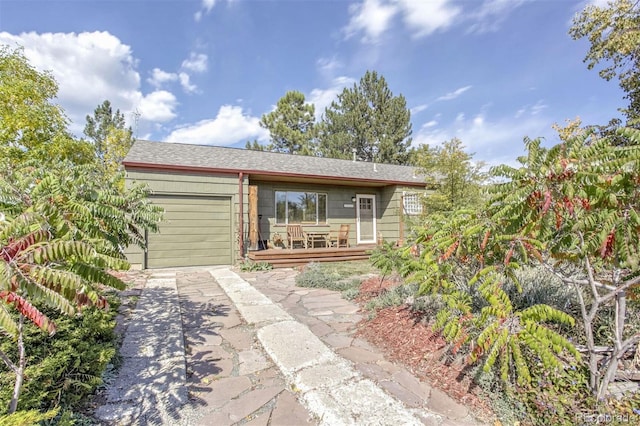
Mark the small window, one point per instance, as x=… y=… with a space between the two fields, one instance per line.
x=412 y=203
x=301 y=207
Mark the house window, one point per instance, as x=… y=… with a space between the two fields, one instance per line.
x=301 y=207
x=412 y=203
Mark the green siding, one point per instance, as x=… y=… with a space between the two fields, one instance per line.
x=387 y=208
x=196 y=231
x=391 y=222
x=337 y=196
x=223 y=231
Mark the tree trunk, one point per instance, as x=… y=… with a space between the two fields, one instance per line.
x=13 y=405
x=617 y=353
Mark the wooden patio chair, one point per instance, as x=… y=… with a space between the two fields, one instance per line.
x=295 y=234
x=339 y=238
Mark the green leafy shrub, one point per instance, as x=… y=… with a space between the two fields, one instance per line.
x=63 y=369
x=395 y=296
x=251 y=266
x=26 y=418
x=317 y=275
x=350 y=293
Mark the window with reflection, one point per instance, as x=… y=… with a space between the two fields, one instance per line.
x=301 y=207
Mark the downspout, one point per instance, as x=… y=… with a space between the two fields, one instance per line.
x=241 y=215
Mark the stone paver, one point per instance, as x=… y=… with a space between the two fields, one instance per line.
x=337 y=324
x=254 y=349
x=243 y=387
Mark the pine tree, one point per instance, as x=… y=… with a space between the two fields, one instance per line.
x=291 y=125
x=369 y=119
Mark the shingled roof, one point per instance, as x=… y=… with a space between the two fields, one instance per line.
x=183 y=156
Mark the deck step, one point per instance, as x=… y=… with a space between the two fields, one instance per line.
x=283 y=258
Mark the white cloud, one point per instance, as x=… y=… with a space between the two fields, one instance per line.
x=534 y=109
x=197 y=62
x=452 y=95
x=328 y=65
x=322 y=98
x=492 y=14
x=598 y=3
x=538 y=107
x=494 y=141
x=426 y=17
x=371 y=17
x=186 y=83
x=418 y=108
x=207 y=5
x=91 y=67
x=229 y=126
x=158 y=106
x=160 y=77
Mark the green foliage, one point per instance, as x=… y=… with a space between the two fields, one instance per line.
x=367 y=118
x=31 y=126
x=81 y=203
x=255 y=146
x=557 y=395
x=387 y=258
x=250 y=266
x=26 y=418
x=318 y=275
x=395 y=296
x=109 y=134
x=612 y=31
x=62 y=370
x=572 y=209
x=291 y=126
x=457 y=180
x=65 y=216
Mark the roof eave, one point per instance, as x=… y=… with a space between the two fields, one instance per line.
x=201 y=169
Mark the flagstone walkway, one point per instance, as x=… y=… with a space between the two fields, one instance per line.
x=254 y=349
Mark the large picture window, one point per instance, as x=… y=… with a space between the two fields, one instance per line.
x=301 y=207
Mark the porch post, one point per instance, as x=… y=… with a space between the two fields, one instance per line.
x=253 y=217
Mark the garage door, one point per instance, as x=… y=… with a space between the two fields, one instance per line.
x=195 y=231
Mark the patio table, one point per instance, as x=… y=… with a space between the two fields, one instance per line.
x=314 y=238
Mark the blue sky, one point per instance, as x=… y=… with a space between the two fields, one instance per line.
x=489 y=72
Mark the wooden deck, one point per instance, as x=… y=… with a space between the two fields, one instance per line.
x=284 y=258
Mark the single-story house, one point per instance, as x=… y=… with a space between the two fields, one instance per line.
x=222 y=202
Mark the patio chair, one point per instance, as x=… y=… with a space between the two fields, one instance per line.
x=295 y=234
x=339 y=238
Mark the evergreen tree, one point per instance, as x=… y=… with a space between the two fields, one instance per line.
x=255 y=146
x=367 y=118
x=291 y=125
x=109 y=133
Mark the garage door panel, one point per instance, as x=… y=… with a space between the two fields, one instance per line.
x=190 y=261
x=189 y=215
x=202 y=224
x=184 y=245
x=196 y=231
x=190 y=230
x=191 y=253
